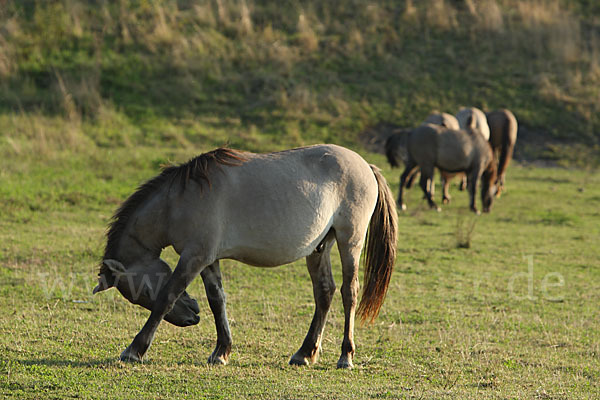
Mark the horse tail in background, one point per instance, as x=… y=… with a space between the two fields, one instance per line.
x=509 y=138
x=380 y=252
x=392 y=144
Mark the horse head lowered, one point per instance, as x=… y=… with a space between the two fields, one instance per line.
x=140 y=284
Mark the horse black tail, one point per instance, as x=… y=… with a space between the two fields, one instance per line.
x=392 y=144
x=380 y=252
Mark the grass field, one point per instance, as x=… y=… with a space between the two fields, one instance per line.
x=515 y=315
x=95 y=96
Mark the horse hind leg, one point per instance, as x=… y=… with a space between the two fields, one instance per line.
x=409 y=173
x=350 y=254
x=211 y=276
x=462 y=186
x=445 y=182
x=425 y=182
x=319 y=268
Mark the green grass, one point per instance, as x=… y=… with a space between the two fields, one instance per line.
x=94 y=97
x=457 y=323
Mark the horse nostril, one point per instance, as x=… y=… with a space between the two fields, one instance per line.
x=193 y=305
x=192 y=321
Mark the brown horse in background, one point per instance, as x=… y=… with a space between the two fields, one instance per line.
x=503 y=136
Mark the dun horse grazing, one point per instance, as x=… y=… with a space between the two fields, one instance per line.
x=395 y=146
x=503 y=136
x=481 y=126
x=395 y=150
x=449 y=121
x=263 y=210
x=430 y=146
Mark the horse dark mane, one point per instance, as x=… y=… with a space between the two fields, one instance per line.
x=197 y=169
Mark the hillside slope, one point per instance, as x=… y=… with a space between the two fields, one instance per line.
x=259 y=75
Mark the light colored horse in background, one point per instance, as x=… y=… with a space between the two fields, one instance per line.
x=466 y=115
x=503 y=137
x=443 y=119
x=263 y=210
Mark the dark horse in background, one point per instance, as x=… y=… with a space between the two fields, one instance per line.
x=432 y=146
x=396 y=151
x=503 y=136
x=263 y=210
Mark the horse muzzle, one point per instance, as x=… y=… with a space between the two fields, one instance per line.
x=184 y=312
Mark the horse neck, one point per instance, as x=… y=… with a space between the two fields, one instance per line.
x=143 y=237
x=490 y=168
x=132 y=249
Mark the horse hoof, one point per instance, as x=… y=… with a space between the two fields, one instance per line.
x=217 y=360
x=345 y=363
x=130 y=356
x=446 y=200
x=402 y=207
x=299 y=361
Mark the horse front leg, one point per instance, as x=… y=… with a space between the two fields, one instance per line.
x=472 y=181
x=213 y=285
x=187 y=269
x=425 y=183
x=319 y=268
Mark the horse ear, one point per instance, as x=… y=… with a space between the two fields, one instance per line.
x=471 y=123
x=114 y=266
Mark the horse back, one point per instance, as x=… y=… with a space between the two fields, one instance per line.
x=422 y=144
x=456 y=150
x=503 y=128
x=276 y=207
x=444 y=119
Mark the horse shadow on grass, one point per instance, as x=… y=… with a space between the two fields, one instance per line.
x=53 y=362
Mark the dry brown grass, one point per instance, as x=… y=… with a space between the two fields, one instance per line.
x=440 y=14
x=490 y=16
x=283 y=58
x=465 y=228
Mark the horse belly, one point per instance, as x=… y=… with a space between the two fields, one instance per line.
x=279 y=229
x=454 y=151
x=272 y=246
